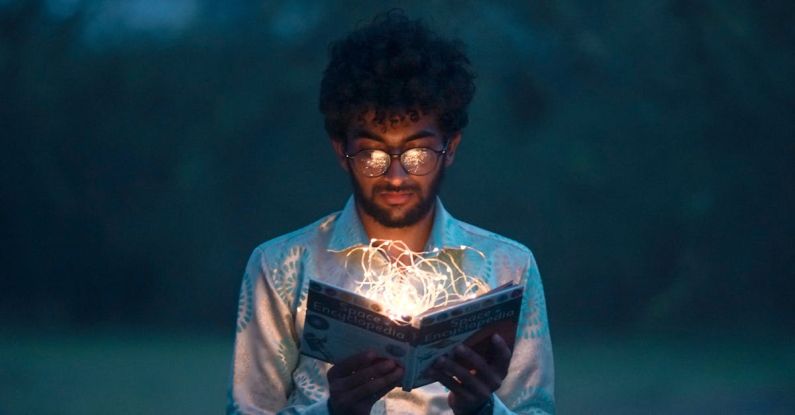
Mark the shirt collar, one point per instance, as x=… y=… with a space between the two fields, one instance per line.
x=348 y=232
x=447 y=232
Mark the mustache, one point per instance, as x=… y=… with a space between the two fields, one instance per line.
x=391 y=188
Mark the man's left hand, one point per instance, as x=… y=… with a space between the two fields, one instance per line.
x=472 y=378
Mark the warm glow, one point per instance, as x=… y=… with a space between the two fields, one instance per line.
x=407 y=283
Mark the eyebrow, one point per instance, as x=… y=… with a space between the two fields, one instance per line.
x=373 y=136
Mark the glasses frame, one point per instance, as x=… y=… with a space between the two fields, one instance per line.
x=399 y=156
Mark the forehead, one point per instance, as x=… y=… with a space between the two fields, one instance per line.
x=396 y=129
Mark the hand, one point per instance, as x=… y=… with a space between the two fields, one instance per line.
x=470 y=377
x=357 y=382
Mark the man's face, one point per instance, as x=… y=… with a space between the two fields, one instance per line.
x=396 y=199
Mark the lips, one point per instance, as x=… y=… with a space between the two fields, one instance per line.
x=395 y=198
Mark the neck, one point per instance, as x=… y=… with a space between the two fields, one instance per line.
x=414 y=236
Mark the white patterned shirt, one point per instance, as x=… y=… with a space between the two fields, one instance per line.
x=270 y=376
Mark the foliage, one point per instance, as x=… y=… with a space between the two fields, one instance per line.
x=644 y=152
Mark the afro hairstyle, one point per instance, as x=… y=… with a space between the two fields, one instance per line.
x=395 y=68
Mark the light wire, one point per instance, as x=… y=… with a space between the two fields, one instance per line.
x=407 y=283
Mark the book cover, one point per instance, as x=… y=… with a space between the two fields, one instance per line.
x=340 y=323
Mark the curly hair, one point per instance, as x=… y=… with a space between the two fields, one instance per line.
x=396 y=67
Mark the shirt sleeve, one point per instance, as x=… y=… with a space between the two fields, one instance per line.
x=529 y=386
x=268 y=374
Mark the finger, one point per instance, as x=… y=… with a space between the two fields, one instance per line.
x=351 y=364
x=458 y=389
x=503 y=355
x=381 y=393
x=364 y=395
x=378 y=387
x=483 y=371
x=363 y=375
x=449 y=382
x=467 y=379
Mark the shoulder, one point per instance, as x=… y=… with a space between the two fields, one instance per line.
x=296 y=242
x=482 y=236
x=499 y=249
x=280 y=263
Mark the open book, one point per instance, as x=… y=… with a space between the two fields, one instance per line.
x=341 y=323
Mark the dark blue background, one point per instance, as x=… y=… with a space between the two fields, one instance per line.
x=643 y=150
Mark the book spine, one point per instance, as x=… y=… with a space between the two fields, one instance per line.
x=409 y=372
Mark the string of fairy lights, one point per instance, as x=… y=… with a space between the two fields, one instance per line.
x=408 y=283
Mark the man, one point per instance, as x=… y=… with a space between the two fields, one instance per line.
x=395 y=98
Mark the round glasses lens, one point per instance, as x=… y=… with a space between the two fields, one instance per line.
x=372 y=163
x=418 y=161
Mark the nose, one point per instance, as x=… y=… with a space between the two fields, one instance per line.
x=396 y=174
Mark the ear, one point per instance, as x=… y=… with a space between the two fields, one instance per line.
x=339 y=151
x=452 y=146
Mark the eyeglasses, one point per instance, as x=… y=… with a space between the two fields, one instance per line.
x=416 y=161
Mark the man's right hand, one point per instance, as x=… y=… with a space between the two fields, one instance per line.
x=356 y=383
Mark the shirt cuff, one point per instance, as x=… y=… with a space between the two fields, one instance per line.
x=317 y=408
x=499 y=408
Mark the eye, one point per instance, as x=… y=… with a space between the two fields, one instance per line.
x=416 y=156
x=372 y=162
x=375 y=156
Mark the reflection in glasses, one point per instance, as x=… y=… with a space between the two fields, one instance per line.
x=416 y=161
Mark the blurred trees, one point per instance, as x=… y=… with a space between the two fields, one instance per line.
x=644 y=152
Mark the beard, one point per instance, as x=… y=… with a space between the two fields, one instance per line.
x=385 y=216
